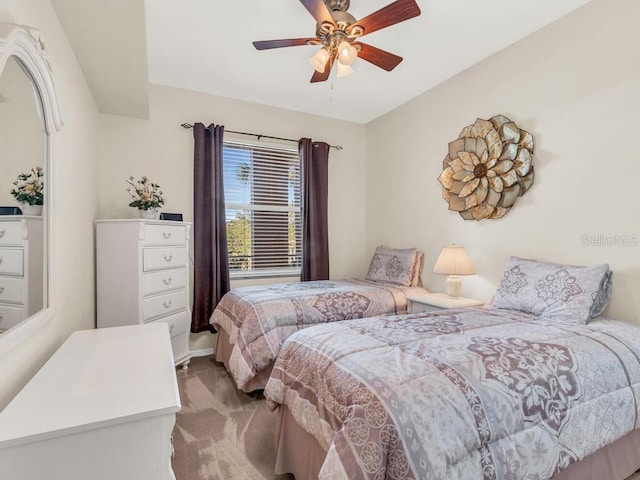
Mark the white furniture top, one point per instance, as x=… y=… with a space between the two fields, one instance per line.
x=442 y=300
x=141 y=220
x=96 y=378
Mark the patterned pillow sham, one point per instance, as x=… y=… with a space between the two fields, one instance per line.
x=554 y=291
x=393 y=265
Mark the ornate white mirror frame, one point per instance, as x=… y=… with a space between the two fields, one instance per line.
x=26 y=45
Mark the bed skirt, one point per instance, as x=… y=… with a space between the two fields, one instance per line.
x=299 y=453
x=223 y=354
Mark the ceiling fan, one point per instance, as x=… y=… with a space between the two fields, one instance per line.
x=338 y=32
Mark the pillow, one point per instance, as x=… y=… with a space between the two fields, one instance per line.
x=416 y=279
x=554 y=291
x=393 y=265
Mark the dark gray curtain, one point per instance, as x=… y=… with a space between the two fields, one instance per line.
x=314 y=169
x=210 y=257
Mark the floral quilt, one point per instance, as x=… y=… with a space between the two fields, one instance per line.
x=459 y=394
x=259 y=318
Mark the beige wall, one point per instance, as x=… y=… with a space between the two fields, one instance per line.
x=75 y=203
x=575 y=85
x=161 y=149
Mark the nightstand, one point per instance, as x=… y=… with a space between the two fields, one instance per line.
x=429 y=302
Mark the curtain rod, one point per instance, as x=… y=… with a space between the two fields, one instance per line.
x=259 y=136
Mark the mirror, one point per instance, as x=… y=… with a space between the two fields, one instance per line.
x=29 y=120
x=22 y=161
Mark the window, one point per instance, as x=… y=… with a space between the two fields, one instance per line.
x=262 y=197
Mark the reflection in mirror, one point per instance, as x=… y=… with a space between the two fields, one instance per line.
x=25 y=47
x=22 y=166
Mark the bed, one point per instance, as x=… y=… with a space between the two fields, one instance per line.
x=253 y=322
x=477 y=393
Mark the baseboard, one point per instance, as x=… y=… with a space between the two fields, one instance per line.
x=203 y=352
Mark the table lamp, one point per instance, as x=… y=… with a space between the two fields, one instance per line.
x=454 y=261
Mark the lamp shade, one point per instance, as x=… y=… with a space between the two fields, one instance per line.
x=343 y=70
x=319 y=60
x=453 y=260
x=346 y=53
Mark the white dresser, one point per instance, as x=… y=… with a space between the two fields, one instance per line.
x=21 y=268
x=143 y=277
x=102 y=408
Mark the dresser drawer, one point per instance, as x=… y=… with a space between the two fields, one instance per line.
x=160 y=305
x=180 y=347
x=155 y=234
x=178 y=323
x=12 y=290
x=11 y=233
x=157 y=258
x=163 y=281
x=10 y=316
x=11 y=261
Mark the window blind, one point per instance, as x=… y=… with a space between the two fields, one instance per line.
x=263 y=214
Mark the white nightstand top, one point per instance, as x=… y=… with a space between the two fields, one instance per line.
x=442 y=300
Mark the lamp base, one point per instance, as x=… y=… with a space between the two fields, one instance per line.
x=454 y=285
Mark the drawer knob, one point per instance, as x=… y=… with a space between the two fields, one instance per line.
x=168 y=257
x=171 y=327
x=166 y=235
x=166 y=281
x=1 y=233
x=1 y=316
x=0 y=260
x=1 y=289
x=166 y=303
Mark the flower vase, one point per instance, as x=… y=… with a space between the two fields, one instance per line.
x=34 y=210
x=149 y=214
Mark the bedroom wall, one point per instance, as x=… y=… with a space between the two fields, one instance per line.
x=575 y=85
x=161 y=149
x=75 y=178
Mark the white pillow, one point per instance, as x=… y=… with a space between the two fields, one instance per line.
x=554 y=291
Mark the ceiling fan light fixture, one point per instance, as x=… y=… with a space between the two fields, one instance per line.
x=344 y=70
x=338 y=34
x=319 y=60
x=347 y=54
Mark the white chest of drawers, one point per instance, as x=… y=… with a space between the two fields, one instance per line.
x=21 y=268
x=102 y=408
x=143 y=277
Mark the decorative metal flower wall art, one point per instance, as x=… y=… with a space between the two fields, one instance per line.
x=487 y=168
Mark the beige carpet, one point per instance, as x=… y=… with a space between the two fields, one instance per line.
x=222 y=433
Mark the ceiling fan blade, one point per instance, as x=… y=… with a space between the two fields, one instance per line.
x=285 y=42
x=395 y=12
x=380 y=58
x=318 y=10
x=321 y=77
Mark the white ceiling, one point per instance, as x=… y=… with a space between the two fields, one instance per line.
x=113 y=60
x=205 y=46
